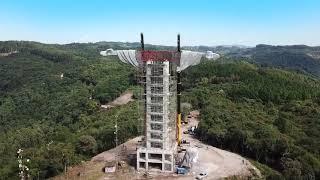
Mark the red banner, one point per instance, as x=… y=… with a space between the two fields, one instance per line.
x=172 y=56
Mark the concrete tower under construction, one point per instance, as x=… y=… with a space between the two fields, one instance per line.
x=157 y=150
x=160 y=87
x=159 y=75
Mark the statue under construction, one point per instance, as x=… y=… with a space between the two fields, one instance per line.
x=159 y=74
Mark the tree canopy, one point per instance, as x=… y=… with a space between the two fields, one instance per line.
x=266 y=114
x=50 y=97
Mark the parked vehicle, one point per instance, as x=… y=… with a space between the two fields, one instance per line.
x=202 y=175
x=182 y=170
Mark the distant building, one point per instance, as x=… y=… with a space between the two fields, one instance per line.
x=211 y=55
x=108 y=52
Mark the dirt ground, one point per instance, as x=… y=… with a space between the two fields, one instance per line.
x=124 y=98
x=217 y=163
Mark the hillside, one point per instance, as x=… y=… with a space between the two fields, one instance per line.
x=299 y=58
x=50 y=97
x=269 y=115
x=50 y=100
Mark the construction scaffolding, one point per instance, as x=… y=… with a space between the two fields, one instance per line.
x=160 y=121
x=159 y=106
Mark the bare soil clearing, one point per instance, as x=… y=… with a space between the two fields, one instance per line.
x=216 y=162
x=123 y=99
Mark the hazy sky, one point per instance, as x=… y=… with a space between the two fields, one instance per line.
x=205 y=22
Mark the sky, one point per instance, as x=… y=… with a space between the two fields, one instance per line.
x=200 y=22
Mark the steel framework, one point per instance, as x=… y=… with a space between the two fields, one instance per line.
x=158 y=79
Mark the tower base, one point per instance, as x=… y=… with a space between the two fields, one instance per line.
x=153 y=159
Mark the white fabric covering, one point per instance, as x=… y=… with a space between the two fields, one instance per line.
x=190 y=157
x=189 y=58
x=128 y=56
x=125 y=56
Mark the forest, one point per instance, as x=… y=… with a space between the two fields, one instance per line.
x=50 y=97
x=269 y=115
x=301 y=58
x=50 y=101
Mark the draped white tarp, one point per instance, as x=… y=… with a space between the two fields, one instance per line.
x=190 y=157
x=189 y=58
x=128 y=56
x=125 y=56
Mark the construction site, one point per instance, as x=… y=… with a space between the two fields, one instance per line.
x=192 y=158
x=167 y=147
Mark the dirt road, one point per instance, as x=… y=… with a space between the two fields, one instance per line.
x=217 y=163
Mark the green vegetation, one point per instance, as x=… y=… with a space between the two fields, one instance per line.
x=301 y=58
x=50 y=97
x=269 y=115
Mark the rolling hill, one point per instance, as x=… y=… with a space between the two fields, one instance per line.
x=50 y=97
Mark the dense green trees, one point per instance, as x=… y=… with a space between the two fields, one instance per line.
x=86 y=145
x=269 y=115
x=50 y=99
x=300 y=58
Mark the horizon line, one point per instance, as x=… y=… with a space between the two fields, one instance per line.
x=132 y=42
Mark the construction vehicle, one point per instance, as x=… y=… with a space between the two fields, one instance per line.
x=185 y=141
x=182 y=170
x=202 y=175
